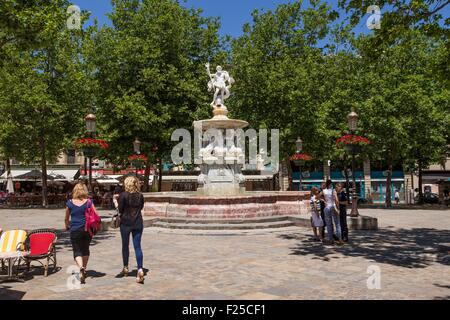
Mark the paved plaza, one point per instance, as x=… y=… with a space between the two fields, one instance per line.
x=257 y=264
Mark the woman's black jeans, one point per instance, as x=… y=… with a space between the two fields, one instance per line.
x=343 y=221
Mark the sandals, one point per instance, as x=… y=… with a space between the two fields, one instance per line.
x=140 y=276
x=125 y=272
x=82 y=275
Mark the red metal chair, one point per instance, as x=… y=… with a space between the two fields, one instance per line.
x=41 y=245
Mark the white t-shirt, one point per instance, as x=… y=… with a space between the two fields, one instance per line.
x=329 y=197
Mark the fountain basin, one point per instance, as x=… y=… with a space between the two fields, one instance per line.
x=248 y=205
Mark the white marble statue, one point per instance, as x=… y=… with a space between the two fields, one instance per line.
x=207 y=152
x=219 y=151
x=202 y=178
x=220 y=82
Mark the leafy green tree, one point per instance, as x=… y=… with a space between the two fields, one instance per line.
x=279 y=69
x=150 y=73
x=43 y=93
x=402 y=105
x=399 y=16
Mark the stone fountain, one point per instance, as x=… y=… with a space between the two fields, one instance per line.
x=221 y=200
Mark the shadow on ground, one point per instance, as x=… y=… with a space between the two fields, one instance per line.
x=132 y=273
x=409 y=248
x=6 y=293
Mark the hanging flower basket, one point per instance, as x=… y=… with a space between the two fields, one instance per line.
x=91 y=146
x=352 y=143
x=352 y=148
x=300 y=158
x=352 y=140
x=138 y=160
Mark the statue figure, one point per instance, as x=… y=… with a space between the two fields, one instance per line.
x=207 y=152
x=218 y=151
x=202 y=179
x=218 y=84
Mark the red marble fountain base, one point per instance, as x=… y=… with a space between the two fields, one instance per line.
x=246 y=206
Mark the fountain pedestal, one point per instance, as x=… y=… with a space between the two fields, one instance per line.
x=221 y=158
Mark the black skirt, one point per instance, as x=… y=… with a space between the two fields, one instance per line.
x=80 y=243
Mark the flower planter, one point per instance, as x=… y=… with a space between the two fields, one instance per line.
x=90 y=146
x=138 y=160
x=352 y=149
x=137 y=164
x=89 y=152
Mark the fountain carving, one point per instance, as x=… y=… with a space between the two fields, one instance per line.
x=221 y=160
x=221 y=193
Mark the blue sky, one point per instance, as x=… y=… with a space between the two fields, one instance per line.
x=233 y=13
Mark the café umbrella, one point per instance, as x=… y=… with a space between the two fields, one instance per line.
x=10 y=184
x=131 y=174
x=32 y=175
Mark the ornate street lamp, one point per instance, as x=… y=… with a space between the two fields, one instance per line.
x=299 y=147
x=91 y=123
x=137 y=146
x=299 y=144
x=91 y=128
x=352 y=119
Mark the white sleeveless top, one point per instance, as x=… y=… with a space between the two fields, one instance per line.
x=329 y=197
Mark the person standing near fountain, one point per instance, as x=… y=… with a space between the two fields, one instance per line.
x=331 y=212
x=131 y=203
x=316 y=220
x=343 y=201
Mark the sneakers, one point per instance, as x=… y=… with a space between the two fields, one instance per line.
x=140 y=276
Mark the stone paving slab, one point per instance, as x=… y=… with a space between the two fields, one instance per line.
x=255 y=264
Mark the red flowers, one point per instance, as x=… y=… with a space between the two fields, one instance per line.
x=138 y=157
x=351 y=139
x=91 y=143
x=301 y=156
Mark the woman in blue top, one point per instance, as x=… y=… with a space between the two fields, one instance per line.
x=75 y=222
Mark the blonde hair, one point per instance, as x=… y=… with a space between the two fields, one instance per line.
x=80 y=191
x=131 y=184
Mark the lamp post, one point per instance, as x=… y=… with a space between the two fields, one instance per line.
x=137 y=150
x=91 y=127
x=352 y=119
x=137 y=146
x=299 y=147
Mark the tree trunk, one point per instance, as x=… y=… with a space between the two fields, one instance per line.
x=420 y=183
x=388 y=185
x=147 y=175
x=8 y=171
x=289 y=171
x=44 y=173
x=160 y=173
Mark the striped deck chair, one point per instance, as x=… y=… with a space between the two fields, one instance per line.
x=11 y=241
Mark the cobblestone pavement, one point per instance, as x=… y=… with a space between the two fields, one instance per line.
x=259 y=264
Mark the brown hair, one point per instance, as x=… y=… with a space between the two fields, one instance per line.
x=314 y=190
